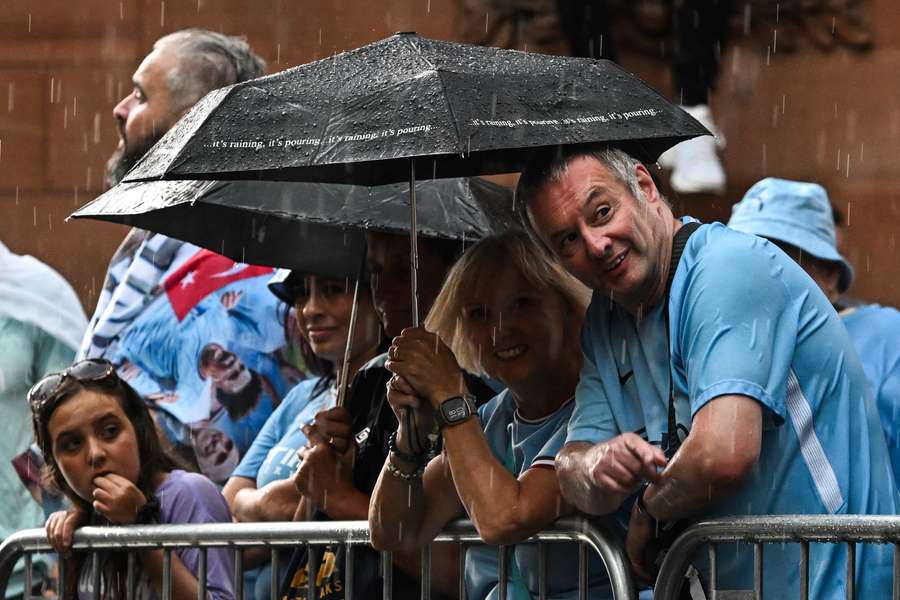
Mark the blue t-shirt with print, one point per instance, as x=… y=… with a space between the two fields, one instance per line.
x=875 y=331
x=526 y=444
x=746 y=319
x=273 y=454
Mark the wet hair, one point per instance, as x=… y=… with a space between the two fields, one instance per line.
x=154 y=459
x=207 y=61
x=549 y=165
x=239 y=403
x=513 y=249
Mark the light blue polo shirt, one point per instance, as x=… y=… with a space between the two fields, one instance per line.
x=524 y=445
x=875 y=331
x=273 y=454
x=745 y=319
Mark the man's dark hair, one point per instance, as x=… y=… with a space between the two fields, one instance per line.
x=240 y=403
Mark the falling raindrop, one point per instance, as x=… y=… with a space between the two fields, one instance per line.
x=29 y=22
x=11 y=97
x=162 y=13
x=96 y=138
x=121 y=11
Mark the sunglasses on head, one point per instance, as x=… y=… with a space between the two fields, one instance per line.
x=91 y=370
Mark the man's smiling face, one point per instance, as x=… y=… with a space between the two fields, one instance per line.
x=603 y=235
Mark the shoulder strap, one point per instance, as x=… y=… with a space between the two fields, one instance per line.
x=680 y=240
x=678 y=243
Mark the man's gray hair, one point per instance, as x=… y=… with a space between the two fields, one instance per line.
x=207 y=61
x=549 y=165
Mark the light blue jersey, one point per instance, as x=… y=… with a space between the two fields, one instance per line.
x=273 y=454
x=745 y=319
x=527 y=445
x=875 y=331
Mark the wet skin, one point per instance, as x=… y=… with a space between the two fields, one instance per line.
x=519 y=331
x=150 y=109
x=603 y=235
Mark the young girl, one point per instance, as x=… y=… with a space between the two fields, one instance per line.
x=102 y=450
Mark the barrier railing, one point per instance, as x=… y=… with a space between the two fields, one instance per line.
x=275 y=536
x=778 y=529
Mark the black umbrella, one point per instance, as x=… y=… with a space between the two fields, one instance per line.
x=453 y=109
x=310 y=227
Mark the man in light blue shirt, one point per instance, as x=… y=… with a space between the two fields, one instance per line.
x=732 y=344
x=797 y=216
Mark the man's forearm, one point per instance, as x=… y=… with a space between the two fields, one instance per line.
x=714 y=459
x=574 y=465
x=686 y=488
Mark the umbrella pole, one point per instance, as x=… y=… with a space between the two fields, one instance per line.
x=343 y=384
x=413 y=244
x=414 y=285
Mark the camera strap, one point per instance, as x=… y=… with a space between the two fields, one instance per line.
x=673 y=441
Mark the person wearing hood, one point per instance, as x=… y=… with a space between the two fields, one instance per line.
x=797 y=217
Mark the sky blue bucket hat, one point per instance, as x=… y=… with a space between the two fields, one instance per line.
x=795 y=212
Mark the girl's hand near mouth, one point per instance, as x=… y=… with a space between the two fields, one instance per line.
x=117 y=499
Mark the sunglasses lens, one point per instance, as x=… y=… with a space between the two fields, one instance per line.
x=44 y=388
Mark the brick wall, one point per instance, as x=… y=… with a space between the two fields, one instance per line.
x=64 y=65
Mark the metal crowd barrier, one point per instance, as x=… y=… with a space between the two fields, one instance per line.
x=275 y=536
x=778 y=529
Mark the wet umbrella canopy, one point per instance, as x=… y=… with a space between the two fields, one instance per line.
x=362 y=116
x=303 y=226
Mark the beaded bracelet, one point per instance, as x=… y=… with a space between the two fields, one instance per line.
x=417 y=459
x=410 y=478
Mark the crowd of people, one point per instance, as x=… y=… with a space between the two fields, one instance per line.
x=605 y=358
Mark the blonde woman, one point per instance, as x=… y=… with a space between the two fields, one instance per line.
x=508 y=311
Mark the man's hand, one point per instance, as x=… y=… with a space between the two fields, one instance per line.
x=117 y=499
x=426 y=364
x=641 y=531
x=332 y=427
x=621 y=464
x=324 y=472
x=61 y=526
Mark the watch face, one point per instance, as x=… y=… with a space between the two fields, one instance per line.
x=455 y=410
